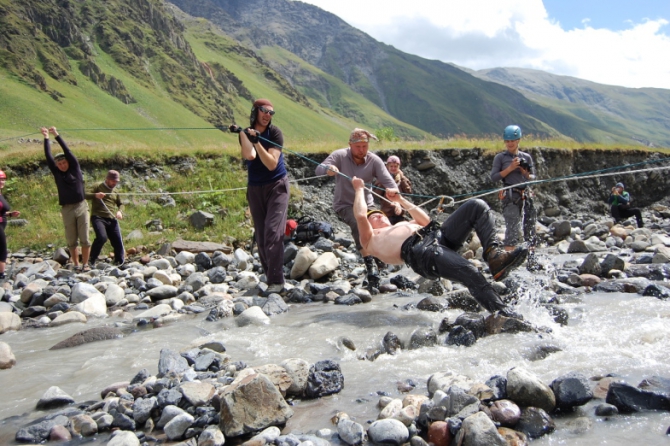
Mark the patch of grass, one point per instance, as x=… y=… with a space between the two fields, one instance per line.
x=36 y=198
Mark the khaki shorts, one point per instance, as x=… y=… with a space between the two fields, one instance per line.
x=75 y=220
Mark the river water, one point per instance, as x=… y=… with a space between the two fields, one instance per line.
x=624 y=334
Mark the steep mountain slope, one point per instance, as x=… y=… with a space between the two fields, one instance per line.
x=129 y=64
x=641 y=113
x=431 y=95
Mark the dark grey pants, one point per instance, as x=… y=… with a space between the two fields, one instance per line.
x=107 y=229
x=268 y=205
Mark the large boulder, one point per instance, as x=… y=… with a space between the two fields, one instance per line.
x=9 y=321
x=90 y=335
x=303 y=261
x=252 y=404
x=325 y=264
x=526 y=389
x=478 y=429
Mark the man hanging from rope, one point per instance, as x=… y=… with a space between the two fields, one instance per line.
x=343 y=164
x=430 y=249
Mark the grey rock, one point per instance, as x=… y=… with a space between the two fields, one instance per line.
x=388 y=432
x=52 y=398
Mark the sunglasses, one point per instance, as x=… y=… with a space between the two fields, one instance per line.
x=265 y=110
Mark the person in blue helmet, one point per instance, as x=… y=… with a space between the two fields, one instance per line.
x=514 y=168
x=620 y=201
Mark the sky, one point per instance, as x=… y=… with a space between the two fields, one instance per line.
x=614 y=42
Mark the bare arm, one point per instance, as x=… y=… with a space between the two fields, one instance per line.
x=360 y=212
x=418 y=214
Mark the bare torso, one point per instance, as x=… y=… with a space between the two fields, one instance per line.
x=386 y=242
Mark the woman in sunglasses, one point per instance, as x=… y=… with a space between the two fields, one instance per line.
x=267 y=189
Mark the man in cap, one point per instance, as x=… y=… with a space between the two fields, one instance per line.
x=620 y=201
x=351 y=161
x=431 y=250
x=71 y=197
x=105 y=216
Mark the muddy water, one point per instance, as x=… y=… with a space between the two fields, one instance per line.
x=624 y=334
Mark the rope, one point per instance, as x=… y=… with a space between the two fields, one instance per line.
x=452 y=201
x=195 y=192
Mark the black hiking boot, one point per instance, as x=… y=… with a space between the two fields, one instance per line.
x=502 y=262
x=373 y=280
x=507 y=312
x=532 y=264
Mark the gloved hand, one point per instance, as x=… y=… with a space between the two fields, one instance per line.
x=252 y=135
x=234 y=128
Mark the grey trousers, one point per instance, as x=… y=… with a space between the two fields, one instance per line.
x=519 y=212
x=268 y=205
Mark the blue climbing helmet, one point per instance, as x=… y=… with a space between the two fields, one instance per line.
x=512 y=132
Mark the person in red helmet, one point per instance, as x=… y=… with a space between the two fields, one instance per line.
x=5 y=211
x=267 y=188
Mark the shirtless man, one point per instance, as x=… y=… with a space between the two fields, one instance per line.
x=430 y=250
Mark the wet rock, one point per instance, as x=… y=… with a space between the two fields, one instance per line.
x=606 y=410
x=478 y=429
x=628 y=399
x=438 y=433
x=432 y=303
x=350 y=432
x=402 y=282
x=460 y=335
x=512 y=437
x=526 y=389
x=83 y=425
x=252 y=316
x=422 y=337
x=499 y=386
x=348 y=299
x=496 y=324
x=388 y=432
x=325 y=378
x=252 y=404
x=274 y=305
x=590 y=265
x=7 y=358
x=505 y=412
x=142 y=408
x=571 y=390
x=9 y=321
x=171 y=362
x=657 y=291
x=298 y=371
x=52 y=398
x=90 y=335
x=59 y=433
x=391 y=343
x=123 y=438
x=39 y=432
x=535 y=422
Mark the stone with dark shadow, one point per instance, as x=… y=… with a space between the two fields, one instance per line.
x=652 y=394
x=571 y=390
x=325 y=378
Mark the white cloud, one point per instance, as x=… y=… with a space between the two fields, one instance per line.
x=514 y=33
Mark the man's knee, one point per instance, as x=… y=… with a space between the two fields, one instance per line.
x=101 y=239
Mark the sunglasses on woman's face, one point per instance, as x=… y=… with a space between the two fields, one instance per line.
x=265 y=110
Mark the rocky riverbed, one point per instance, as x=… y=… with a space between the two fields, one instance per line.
x=418 y=363
x=202 y=395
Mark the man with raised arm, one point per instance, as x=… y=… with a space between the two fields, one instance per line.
x=351 y=161
x=71 y=197
x=430 y=249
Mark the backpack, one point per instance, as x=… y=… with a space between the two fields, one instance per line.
x=309 y=231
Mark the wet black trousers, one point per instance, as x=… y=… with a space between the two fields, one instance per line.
x=107 y=229
x=432 y=252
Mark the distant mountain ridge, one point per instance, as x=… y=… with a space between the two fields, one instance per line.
x=126 y=62
x=643 y=113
